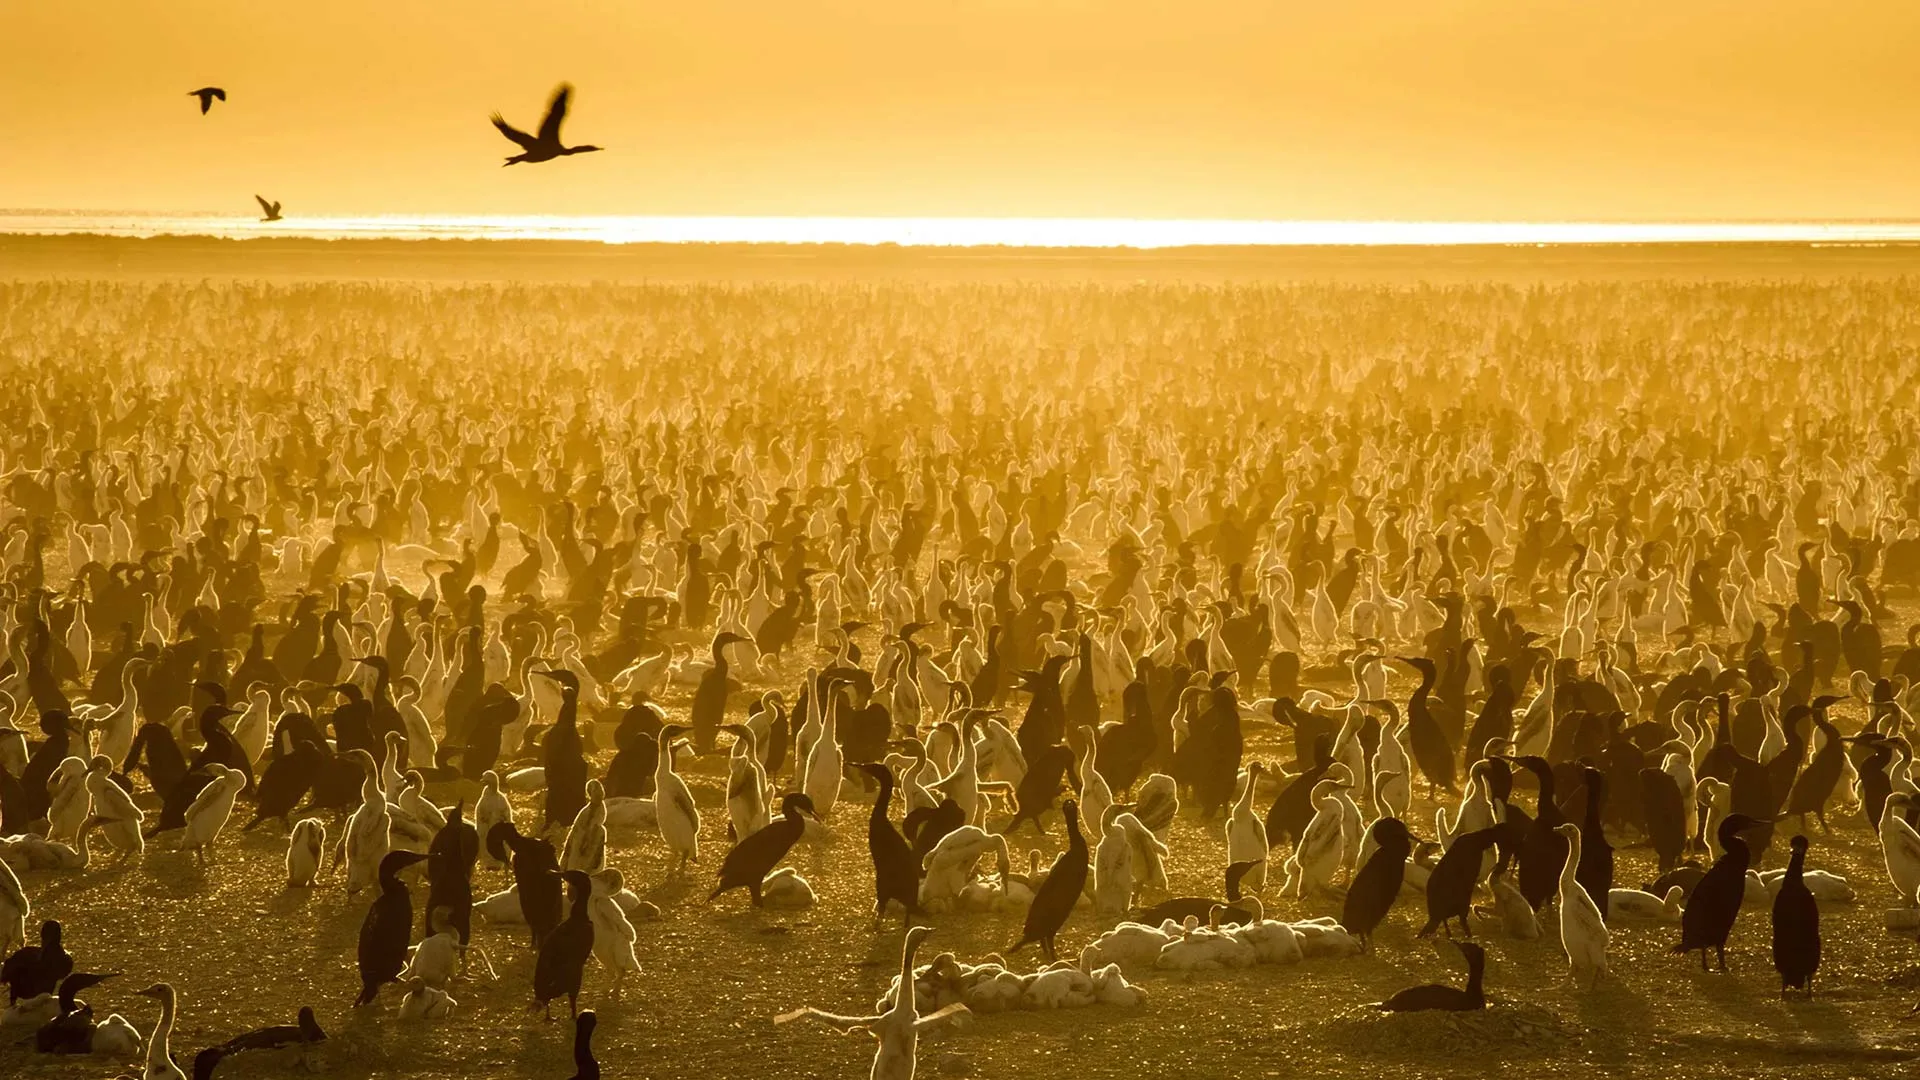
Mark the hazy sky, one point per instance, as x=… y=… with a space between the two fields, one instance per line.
x=1444 y=109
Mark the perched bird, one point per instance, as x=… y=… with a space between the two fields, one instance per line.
x=207 y=95
x=546 y=145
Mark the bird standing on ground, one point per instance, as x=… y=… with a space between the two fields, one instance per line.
x=534 y=148
x=1796 y=925
x=754 y=857
x=1715 y=901
x=562 y=960
x=1054 y=901
x=900 y=1027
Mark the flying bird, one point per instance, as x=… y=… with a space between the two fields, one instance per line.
x=206 y=94
x=546 y=145
x=270 y=209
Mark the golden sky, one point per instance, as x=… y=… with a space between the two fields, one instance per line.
x=1353 y=109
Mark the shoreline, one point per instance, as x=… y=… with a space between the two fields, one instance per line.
x=34 y=256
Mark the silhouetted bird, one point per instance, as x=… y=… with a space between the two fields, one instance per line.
x=270 y=209
x=206 y=94
x=546 y=145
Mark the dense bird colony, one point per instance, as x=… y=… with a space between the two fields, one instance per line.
x=393 y=671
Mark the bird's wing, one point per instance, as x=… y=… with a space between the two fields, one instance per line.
x=556 y=112
x=954 y=1013
x=265 y=206
x=219 y=93
x=525 y=140
x=844 y=1024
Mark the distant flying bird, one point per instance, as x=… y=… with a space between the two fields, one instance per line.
x=271 y=209
x=546 y=145
x=206 y=94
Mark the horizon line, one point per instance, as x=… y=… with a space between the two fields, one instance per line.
x=959 y=231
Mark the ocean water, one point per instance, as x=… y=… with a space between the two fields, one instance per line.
x=959 y=232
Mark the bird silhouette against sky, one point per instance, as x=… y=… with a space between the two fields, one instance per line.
x=206 y=94
x=270 y=209
x=546 y=145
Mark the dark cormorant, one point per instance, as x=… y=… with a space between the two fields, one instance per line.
x=896 y=873
x=1796 y=926
x=37 y=969
x=1595 y=872
x=1435 y=996
x=710 y=697
x=1714 y=903
x=546 y=145
x=1450 y=886
x=536 y=874
x=1377 y=883
x=207 y=96
x=1054 y=901
x=585 y=1066
x=562 y=959
x=754 y=857
x=1542 y=852
x=1232 y=912
x=270 y=210
x=563 y=755
x=387 y=928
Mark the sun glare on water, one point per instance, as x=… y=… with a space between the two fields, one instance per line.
x=964 y=232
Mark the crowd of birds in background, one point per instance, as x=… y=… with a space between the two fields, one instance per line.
x=462 y=581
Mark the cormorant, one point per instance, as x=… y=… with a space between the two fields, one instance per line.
x=896 y=873
x=562 y=959
x=1377 y=883
x=1796 y=926
x=535 y=148
x=207 y=96
x=1714 y=903
x=754 y=857
x=270 y=210
x=1436 y=996
x=1054 y=901
x=387 y=928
